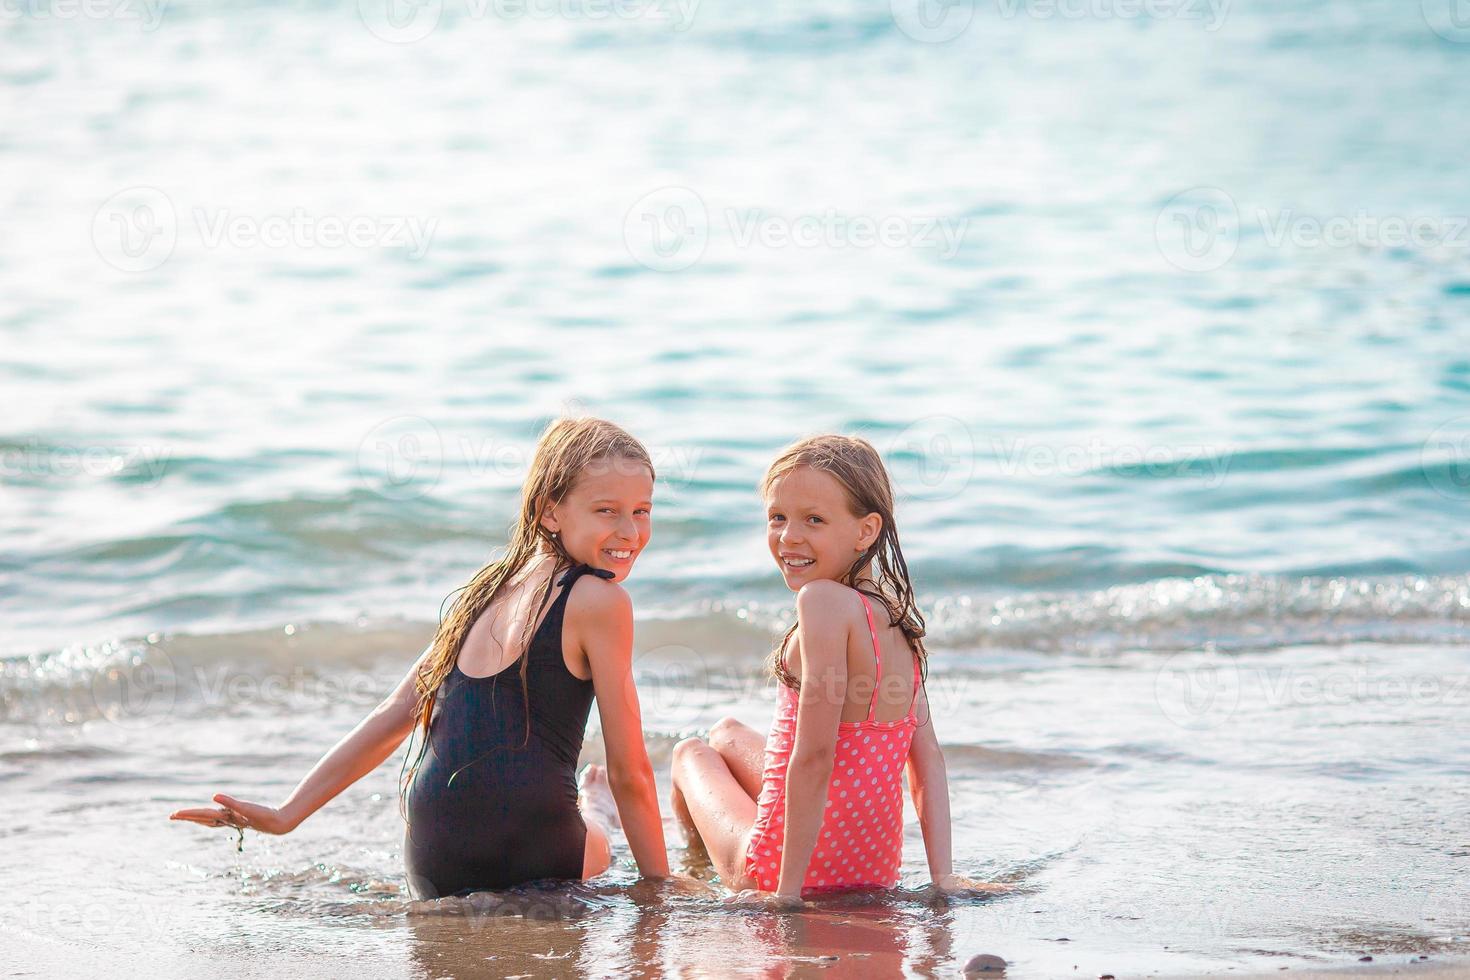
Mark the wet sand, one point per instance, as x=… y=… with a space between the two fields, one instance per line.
x=1431 y=969
x=459 y=956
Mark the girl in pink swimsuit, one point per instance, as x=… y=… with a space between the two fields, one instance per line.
x=819 y=806
x=861 y=840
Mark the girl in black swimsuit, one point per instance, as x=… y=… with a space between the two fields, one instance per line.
x=494 y=801
x=490 y=796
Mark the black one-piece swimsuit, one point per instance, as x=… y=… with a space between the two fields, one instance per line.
x=493 y=805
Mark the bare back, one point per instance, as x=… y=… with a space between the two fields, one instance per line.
x=895 y=690
x=494 y=642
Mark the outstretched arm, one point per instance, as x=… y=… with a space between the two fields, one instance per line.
x=607 y=639
x=358 y=753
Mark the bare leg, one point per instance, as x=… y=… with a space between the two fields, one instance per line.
x=721 y=812
x=744 y=751
x=599 y=813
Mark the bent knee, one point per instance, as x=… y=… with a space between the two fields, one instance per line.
x=686 y=750
x=724 y=732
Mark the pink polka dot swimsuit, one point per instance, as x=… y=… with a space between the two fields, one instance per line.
x=861 y=840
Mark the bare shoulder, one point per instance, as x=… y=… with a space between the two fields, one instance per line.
x=829 y=601
x=594 y=598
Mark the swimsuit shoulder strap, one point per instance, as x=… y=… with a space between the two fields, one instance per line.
x=918 y=680
x=576 y=572
x=566 y=582
x=877 y=658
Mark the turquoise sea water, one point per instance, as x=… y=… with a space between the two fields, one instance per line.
x=1161 y=321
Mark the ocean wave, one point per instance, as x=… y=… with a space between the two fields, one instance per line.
x=718 y=647
x=1223 y=611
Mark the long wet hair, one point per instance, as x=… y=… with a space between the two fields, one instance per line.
x=564 y=451
x=880 y=572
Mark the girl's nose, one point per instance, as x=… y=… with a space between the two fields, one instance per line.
x=627 y=530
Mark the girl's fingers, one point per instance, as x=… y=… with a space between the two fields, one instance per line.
x=748 y=897
x=210 y=817
x=957 y=885
x=239 y=809
x=768 y=900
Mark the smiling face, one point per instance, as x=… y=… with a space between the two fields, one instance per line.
x=607 y=518
x=811 y=529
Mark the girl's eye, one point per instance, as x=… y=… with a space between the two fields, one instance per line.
x=643 y=510
x=815 y=518
x=604 y=510
x=776 y=518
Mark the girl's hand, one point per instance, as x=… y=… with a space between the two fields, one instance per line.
x=953 y=884
x=238 y=814
x=771 y=901
x=652 y=890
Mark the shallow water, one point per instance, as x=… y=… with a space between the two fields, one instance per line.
x=1192 y=543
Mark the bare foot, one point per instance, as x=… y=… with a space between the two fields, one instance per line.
x=595 y=799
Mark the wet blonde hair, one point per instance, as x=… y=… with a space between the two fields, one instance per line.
x=856 y=465
x=564 y=451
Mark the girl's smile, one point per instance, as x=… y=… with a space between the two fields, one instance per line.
x=607 y=519
x=811 y=529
